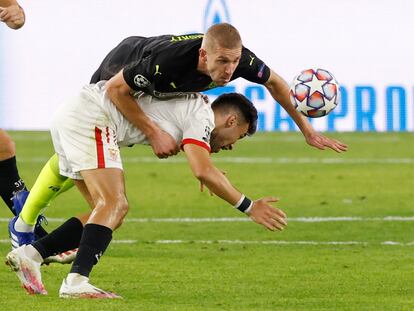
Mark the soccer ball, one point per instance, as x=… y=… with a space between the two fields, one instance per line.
x=314 y=92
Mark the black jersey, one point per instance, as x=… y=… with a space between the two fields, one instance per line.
x=166 y=66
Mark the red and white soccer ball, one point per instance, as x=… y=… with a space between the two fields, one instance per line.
x=315 y=92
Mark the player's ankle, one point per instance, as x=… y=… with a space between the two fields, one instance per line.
x=33 y=253
x=74 y=279
x=21 y=226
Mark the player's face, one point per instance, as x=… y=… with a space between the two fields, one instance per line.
x=221 y=63
x=225 y=138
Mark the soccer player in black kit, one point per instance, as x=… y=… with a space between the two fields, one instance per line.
x=165 y=67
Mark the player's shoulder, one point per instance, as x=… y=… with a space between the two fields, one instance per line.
x=175 y=50
x=247 y=55
x=194 y=105
x=251 y=67
x=203 y=110
x=192 y=38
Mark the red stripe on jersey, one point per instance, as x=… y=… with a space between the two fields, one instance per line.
x=99 y=148
x=195 y=142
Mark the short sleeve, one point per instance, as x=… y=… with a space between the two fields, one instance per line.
x=138 y=74
x=198 y=128
x=252 y=68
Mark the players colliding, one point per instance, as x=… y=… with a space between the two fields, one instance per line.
x=88 y=132
x=90 y=128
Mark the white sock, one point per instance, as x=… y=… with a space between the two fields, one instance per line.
x=74 y=279
x=21 y=226
x=32 y=253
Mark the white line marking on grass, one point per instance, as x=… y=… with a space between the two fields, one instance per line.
x=262 y=137
x=298 y=219
x=255 y=160
x=125 y=241
x=240 y=242
x=300 y=138
x=188 y=219
x=260 y=242
x=246 y=219
x=352 y=219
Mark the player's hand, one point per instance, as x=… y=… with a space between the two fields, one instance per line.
x=319 y=141
x=163 y=144
x=13 y=16
x=202 y=185
x=263 y=213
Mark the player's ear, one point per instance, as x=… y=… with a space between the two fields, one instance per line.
x=231 y=120
x=203 y=54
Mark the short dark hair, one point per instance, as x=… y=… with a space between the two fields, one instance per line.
x=242 y=105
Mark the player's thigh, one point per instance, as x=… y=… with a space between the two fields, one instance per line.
x=80 y=184
x=106 y=184
x=107 y=190
x=7 y=147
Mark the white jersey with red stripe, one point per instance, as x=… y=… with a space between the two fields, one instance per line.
x=187 y=118
x=88 y=129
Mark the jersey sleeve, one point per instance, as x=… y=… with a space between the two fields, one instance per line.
x=138 y=75
x=197 y=129
x=252 y=68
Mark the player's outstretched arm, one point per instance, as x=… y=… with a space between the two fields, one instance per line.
x=162 y=143
x=12 y=14
x=279 y=90
x=261 y=211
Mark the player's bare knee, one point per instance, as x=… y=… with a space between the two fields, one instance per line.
x=118 y=205
x=7 y=146
x=122 y=207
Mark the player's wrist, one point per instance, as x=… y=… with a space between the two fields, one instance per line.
x=244 y=205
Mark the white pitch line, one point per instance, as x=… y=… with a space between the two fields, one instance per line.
x=240 y=242
x=293 y=219
x=272 y=242
x=300 y=138
x=254 y=160
x=286 y=137
x=246 y=219
x=281 y=160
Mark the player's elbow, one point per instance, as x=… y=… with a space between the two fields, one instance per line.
x=203 y=174
x=116 y=95
x=15 y=25
x=117 y=87
x=112 y=90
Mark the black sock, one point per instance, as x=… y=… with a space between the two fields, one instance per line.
x=10 y=181
x=64 y=238
x=95 y=240
x=40 y=232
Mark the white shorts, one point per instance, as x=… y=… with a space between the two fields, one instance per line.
x=84 y=136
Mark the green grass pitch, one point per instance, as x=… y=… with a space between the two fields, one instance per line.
x=362 y=262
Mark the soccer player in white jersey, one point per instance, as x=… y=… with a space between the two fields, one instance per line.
x=87 y=133
x=165 y=66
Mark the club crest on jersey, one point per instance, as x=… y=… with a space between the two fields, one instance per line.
x=113 y=154
x=141 y=81
x=261 y=69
